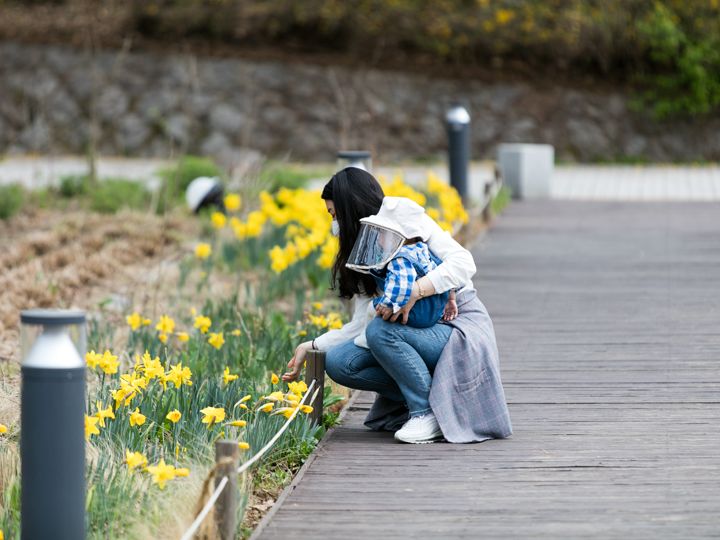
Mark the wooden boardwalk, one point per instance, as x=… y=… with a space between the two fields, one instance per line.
x=608 y=324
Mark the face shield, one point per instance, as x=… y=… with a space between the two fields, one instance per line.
x=374 y=248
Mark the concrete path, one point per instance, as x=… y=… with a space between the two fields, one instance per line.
x=570 y=182
x=608 y=324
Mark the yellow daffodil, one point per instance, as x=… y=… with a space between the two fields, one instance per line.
x=92 y=359
x=307 y=409
x=243 y=445
x=135 y=459
x=174 y=416
x=91 y=426
x=3 y=429
x=228 y=377
x=218 y=220
x=135 y=320
x=232 y=202
x=202 y=323
x=243 y=406
x=245 y=398
x=146 y=322
x=274 y=378
x=179 y=375
x=203 y=251
x=166 y=325
x=297 y=387
x=152 y=367
x=236 y=332
x=216 y=340
x=109 y=363
x=102 y=414
x=183 y=336
x=317 y=305
x=137 y=418
x=302 y=333
x=267 y=407
x=212 y=415
x=285 y=411
x=181 y=472
x=238 y=423
x=276 y=396
x=161 y=473
x=163 y=338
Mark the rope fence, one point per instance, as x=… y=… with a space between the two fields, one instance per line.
x=226 y=521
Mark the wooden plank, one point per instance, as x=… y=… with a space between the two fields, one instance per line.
x=608 y=324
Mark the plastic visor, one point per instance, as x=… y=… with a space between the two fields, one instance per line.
x=374 y=248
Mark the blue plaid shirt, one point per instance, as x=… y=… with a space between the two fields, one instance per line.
x=400 y=275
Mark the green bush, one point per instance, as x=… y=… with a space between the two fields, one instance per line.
x=278 y=175
x=176 y=179
x=73 y=185
x=112 y=194
x=11 y=200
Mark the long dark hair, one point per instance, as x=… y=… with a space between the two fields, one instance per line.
x=356 y=194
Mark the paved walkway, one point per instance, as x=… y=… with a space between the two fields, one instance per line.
x=608 y=323
x=578 y=182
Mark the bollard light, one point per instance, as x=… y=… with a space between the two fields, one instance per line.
x=205 y=191
x=52 y=432
x=458 y=128
x=354 y=158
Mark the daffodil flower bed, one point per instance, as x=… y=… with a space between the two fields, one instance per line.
x=180 y=381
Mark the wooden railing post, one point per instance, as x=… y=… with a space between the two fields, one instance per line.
x=315 y=370
x=227 y=456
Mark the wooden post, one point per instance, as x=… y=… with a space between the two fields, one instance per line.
x=487 y=211
x=227 y=456
x=315 y=370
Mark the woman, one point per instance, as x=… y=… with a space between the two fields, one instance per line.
x=437 y=381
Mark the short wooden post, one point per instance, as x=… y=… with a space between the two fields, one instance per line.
x=487 y=210
x=315 y=370
x=227 y=456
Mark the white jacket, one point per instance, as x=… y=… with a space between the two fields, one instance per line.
x=455 y=272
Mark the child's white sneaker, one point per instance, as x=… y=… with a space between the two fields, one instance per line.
x=420 y=429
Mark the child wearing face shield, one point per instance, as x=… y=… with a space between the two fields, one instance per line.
x=391 y=247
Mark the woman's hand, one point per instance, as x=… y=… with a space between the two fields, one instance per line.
x=297 y=361
x=451 y=309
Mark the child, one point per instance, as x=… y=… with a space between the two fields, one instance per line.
x=390 y=247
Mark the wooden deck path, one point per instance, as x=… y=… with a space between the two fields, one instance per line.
x=608 y=324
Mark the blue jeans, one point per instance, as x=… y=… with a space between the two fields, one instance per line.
x=398 y=365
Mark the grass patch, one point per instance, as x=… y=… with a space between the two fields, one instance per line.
x=112 y=194
x=11 y=200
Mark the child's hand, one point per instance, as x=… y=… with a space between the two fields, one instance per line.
x=451 y=309
x=383 y=311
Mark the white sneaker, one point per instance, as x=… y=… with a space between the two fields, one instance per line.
x=419 y=429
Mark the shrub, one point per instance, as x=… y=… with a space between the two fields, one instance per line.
x=73 y=185
x=11 y=200
x=112 y=194
x=176 y=179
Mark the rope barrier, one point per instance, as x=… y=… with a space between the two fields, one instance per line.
x=223 y=482
x=206 y=509
x=264 y=449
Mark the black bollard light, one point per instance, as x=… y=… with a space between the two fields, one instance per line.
x=52 y=436
x=354 y=158
x=458 y=128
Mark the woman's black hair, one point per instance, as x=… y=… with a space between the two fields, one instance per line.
x=356 y=194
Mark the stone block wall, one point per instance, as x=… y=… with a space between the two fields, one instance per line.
x=143 y=104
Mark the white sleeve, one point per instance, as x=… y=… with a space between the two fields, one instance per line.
x=458 y=266
x=351 y=329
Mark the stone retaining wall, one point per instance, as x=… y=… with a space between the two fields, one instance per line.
x=160 y=106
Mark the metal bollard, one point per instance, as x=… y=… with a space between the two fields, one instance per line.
x=52 y=439
x=458 y=128
x=354 y=158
